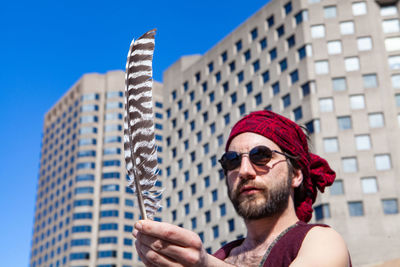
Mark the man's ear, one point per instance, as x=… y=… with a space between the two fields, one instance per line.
x=297 y=178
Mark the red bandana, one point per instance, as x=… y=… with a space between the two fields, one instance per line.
x=291 y=139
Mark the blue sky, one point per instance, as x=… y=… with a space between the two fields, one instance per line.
x=46 y=46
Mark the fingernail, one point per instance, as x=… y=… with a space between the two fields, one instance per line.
x=138 y=226
x=134 y=233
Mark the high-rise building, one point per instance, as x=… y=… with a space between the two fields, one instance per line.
x=330 y=65
x=84 y=211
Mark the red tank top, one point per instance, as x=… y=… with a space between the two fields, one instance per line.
x=282 y=251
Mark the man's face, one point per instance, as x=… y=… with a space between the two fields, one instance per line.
x=258 y=192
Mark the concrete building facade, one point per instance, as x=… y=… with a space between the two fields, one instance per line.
x=332 y=66
x=84 y=211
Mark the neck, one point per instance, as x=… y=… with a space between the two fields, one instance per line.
x=262 y=232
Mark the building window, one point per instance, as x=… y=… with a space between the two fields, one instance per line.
x=357 y=102
x=204 y=86
x=302 y=52
x=207 y=216
x=210 y=67
x=390 y=206
x=347 y=27
x=359 y=8
x=339 y=84
x=318 y=31
x=222 y=210
x=200 y=202
x=294 y=76
x=214 y=195
x=397 y=99
x=263 y=43
x=391 y=26
x=224 y=56
x=187 y=209
x=238 y=45
x=326 y=104
x=231 y=225
x=194 y=222
x=240 y=77
x=197 y=76
x=382 y=162
x=394 y=62
x=301 y=16
x=331 y=145
x=322 y=211
x=330 y=12
x=233 y=98
x=370 y=81
x=313 y=126
x=232 y=66
x=226 y=87
x=258 y=99
x=218 y=77
x=322 y=67
x=215 y=230
x=288 y=8
x=388 y=11
x=242 y=109
x=364 y=43
x=344 y=122
x=254 y=34
x=280 y=30
x=306 y=88
x=256 y=66
x=275 y=88
x=286 y=100
x=283 y=64
x=376 y=120
x=291 y=41
x=247 y=55
x=363 y=142
x=334 y=47
x=349 y=165
x=249 y=87
x=392 y=44
x=273 y=54
x=356 y=208
x=298 y=113
x=351 y=63
x=270 y=21
x=265 y=76
x=337 y=188
x=369 y=185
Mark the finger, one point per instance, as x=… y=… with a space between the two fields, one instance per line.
x=165 y=248
x=169 y=232
x=152 y=258
x=142 y=257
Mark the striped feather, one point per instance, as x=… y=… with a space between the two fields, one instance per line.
x=139 y=142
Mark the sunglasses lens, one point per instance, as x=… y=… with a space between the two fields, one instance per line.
x=260 y=155
x=230 y=160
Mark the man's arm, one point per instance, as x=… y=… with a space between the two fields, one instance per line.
x=322 y=247
x=163 y=244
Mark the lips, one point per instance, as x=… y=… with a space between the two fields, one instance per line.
x=249 y=190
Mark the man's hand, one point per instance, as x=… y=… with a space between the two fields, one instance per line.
x=163 y=244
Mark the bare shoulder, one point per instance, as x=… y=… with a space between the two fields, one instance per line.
x=322 y=246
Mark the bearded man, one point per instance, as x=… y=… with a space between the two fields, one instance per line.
x=272 y=181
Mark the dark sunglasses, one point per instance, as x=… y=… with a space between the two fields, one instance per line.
x=259 y=155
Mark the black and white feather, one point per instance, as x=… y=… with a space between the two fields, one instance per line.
x=139 y=142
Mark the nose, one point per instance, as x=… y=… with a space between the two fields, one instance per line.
x=246 y=170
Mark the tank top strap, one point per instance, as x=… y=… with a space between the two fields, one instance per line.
x=286 y=246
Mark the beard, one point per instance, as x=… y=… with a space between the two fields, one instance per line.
x=267 y=202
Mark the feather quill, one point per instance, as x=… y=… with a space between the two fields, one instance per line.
x=139 y=142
